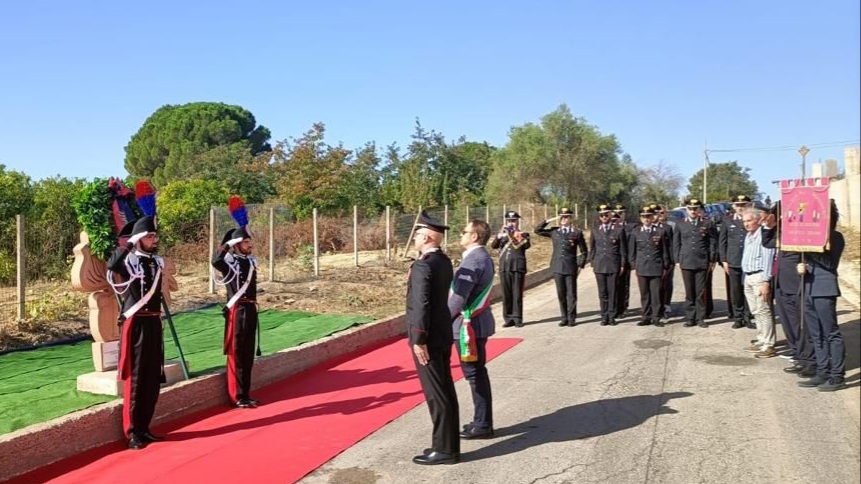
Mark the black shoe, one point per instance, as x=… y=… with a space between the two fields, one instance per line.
x=435 y=458
x=571 y=324
x=508 y=324
x=813 y=382
x=150 y=437
x=473 y=433
x=659 y=323
x=832 y=385
x=808 y=372
x=253 y=401
x=613 y=322
x=563 y=323
x=737 y=325
x=796 y=368
x=518 y=324
x=604 y=323
x=244 y=403
x=751 y=325
x=688 y=324
x=136 y=443
x=703 y=324
x=644 y=323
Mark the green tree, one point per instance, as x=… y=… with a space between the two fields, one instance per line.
x=361 y=184
x=166 y=147
x=725 y=180
x=308 y=173
x=183 y=208
x=16 y=195
x=561 y=159
x=55 y=226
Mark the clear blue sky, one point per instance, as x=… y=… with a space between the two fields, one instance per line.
x=77 y=79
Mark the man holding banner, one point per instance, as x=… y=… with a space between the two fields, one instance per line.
x=469 y=304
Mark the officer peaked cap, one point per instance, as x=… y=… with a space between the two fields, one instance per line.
x=144 y=225
x=511 y=215
x=604 y=208
x=694 y=203
x=426 y=221
x=649 y=210
x=741 y=199
x=565 y=212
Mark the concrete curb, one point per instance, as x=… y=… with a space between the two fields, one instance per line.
x=41 y=444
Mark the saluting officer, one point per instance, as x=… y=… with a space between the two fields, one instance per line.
x=730 y=248
x=607 y=249
x=623 y=283
x=565 y=263
x=649 y=255
x=695 y=249
x=512 y=268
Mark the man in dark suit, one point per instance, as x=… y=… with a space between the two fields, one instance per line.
x=730 y=248
x=787 y=291
x=821 y=289
x=607 y=248
x=512 y=268
x=565 y=263
x=470 y=297
x=430 y=338
x=668 y=226
x=649 y=255
x=695 y=249
x=623 y=282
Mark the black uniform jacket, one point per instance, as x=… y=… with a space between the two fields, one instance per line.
x=221 y=262
x=428 y=316
x=787 y=278
x=731 y=241
x=565 y=259
x=124 y=260
x=695 y=244
x=513 y=255
x=608 y=250
x=648 y=250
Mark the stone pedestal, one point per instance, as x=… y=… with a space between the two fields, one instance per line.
x=106 y=383
x=105 y=355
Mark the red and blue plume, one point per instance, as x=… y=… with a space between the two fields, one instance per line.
x=145 y=196
x=237 y=211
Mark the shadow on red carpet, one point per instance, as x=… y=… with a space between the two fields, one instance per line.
x=303 y=422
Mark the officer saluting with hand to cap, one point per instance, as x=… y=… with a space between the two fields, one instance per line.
x=512 y=267
x=565 y=262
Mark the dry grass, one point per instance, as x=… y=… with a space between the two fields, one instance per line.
x=376 y=288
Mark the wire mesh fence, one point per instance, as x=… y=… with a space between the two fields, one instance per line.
x=287 y=250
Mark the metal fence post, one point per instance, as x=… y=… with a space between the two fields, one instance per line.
x=388 y=234
x=316 y=247
x=271 y=244
x=445 y=222
x=21 y=267
x=211 y=248
x=356 y=234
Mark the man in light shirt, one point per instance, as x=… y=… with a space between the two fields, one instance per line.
x=756 y=264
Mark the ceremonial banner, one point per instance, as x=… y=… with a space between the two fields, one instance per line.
x=805 y=212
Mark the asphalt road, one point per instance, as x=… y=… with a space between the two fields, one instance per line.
x=630 y=404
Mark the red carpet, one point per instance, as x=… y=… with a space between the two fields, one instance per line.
x=305 y=420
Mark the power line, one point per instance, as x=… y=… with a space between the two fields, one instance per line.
x=788 y=148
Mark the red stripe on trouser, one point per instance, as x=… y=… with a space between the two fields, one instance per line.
x=124 y=373
x=230 y=351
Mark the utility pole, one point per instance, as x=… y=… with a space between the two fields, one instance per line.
x=705 y=170
x=803 y=150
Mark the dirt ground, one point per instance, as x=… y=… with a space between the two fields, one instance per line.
x=376 y=288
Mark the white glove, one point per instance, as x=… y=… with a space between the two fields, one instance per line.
x=134 y=239
x=232 y=242
x=800 y=269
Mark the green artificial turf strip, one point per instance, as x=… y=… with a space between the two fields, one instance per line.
x=38 y=385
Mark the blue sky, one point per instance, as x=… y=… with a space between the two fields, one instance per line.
x=79 y=78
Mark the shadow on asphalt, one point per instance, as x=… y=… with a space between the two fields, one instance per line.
x=852 y=338
x=591 y=419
